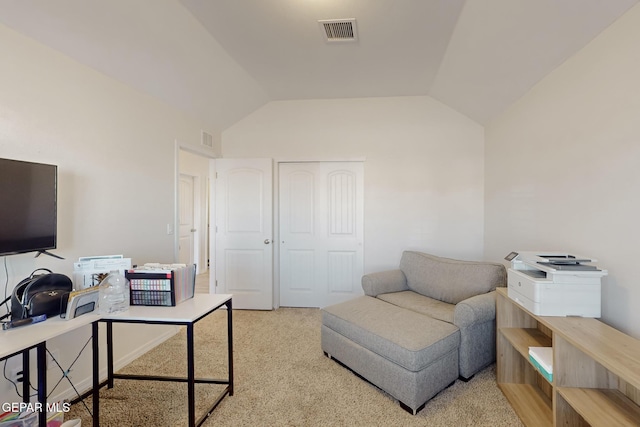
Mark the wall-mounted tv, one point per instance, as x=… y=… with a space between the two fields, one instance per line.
x=28 y=207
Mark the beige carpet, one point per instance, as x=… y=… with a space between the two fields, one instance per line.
x=282 y=378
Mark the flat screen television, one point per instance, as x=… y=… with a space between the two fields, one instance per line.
x=28 y=207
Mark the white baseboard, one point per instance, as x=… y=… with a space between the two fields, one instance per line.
x=87 y=383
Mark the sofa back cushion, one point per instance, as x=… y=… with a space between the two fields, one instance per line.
x=450 y=280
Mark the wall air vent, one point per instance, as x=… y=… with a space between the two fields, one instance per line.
x=207 y=139
x=339 y=30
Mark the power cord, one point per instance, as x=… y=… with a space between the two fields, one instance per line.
x=65 y=374
x=6 y=299
x=15 y=383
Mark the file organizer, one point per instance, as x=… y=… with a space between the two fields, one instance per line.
x=161 y=287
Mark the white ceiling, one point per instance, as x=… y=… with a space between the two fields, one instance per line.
x=219 y=60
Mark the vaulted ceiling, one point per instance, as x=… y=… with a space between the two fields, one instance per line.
x=219 y=60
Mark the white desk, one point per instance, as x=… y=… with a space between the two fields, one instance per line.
x=21 y=340
x=25 y=338
x=13 y=341
x=187 y=313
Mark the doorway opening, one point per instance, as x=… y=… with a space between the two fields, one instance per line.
x=193 y=171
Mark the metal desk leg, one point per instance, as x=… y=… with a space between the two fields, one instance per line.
x=230 y=345
x=109 y=355
x=25 y=375
x=191 y=376
x=96 y=374
x=41 y=351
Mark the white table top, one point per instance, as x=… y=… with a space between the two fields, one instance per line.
x=186 y=311
x=14 y=340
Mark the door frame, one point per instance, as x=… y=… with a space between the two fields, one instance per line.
x=173 y=228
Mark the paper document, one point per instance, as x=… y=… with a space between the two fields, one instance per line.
x=542 y=359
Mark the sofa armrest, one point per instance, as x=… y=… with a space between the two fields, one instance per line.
x=384 y=282
x=477 y=309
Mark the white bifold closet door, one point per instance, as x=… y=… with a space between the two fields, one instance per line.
x=321 y=213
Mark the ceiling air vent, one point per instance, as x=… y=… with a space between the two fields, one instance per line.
x=207 y=139
x=339 y=30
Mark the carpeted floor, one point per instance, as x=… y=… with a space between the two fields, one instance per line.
x=282 y=378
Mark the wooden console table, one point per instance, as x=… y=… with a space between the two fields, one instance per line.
x=596 y=369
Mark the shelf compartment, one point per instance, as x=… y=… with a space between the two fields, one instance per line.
x=596 y=379
x=598 y=341
x=602 y=407
x=523 y=338
x=533 y=407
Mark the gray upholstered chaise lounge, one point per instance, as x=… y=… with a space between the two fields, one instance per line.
x=417 y=328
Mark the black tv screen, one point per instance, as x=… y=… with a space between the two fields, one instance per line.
x=28 y=202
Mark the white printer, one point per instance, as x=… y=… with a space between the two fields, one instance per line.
x=555 y=284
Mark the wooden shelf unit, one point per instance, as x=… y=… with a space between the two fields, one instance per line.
x=596 y=369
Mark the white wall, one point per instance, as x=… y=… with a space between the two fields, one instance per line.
x=562 y=167
x=115 y=151
x=423 y=165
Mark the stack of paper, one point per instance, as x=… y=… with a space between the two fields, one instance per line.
x=90 y=271
x=542 y=359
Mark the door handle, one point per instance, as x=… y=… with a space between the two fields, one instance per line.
x=267 y=241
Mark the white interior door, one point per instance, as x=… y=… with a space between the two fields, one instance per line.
x=186 y=220
x=321 y=208
x=244 y=230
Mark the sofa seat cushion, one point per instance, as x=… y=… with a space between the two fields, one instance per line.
x=450 y=280
x=421 y=304
x=404 y=337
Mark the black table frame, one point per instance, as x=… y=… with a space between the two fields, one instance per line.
x=191 y=380
x=41 y=367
